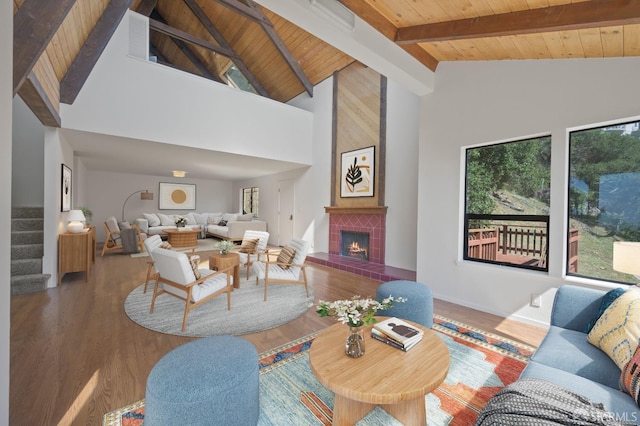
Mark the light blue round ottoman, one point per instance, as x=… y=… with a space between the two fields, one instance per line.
x=209 y=381
x=418 y=307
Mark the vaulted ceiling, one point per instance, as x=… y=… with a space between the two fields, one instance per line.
x=56 y=43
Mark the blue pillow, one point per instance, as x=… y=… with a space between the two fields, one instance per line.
x=607 y=300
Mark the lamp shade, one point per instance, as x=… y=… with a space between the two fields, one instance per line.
x=626 y=257
x=75 y=219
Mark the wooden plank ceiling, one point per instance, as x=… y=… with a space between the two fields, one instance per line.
x=56 y=43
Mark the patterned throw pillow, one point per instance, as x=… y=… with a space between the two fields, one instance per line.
x=195 y=262
x=166 y=245
x=286 y=256
x=249 y=246
x=630 y=377
x=617 y=331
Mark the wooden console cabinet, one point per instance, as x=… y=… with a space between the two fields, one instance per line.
x=76 y=252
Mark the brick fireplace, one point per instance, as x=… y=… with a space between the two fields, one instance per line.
x=372 y=224
x=360 y=220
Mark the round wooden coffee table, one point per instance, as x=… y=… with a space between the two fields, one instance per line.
x=395 y=380
x=184 y=237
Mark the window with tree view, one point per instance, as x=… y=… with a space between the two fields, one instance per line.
x=604 y=200
x=250 y=201
x=507 y=203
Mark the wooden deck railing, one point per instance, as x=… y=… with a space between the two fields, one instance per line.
x=520 y=245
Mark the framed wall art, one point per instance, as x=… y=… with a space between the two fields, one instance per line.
x=357 y=173
x=177 y=196
x=65 y=189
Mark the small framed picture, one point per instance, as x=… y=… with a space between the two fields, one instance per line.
x=357 y=173
x=65 y=189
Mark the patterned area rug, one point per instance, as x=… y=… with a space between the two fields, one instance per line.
x=481 y=364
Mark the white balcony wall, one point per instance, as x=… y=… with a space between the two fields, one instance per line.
x=130 y=97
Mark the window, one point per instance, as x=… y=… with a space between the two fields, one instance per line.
x=507 y=203
x=236 y=79
x=604 y=198
x=250 y=201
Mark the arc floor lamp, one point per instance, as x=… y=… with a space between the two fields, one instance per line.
x=144 y=195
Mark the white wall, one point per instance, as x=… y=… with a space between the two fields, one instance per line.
x=134 y=98
x=6 y=94
x=27 y=185
x=107 y=191
x=481 y=102
x=401 y=189
x=312 y=186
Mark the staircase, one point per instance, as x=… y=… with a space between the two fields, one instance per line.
x=27 y=231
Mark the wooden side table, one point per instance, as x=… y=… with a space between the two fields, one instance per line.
x=395 y=380
x=76 y=252
x=218 y=261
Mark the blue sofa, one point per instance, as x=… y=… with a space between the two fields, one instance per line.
x=566 y=358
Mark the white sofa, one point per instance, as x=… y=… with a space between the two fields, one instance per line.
x=227 y=226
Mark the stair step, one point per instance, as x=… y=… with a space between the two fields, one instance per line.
x=27 y=212
x=27 y=251
x=27 y=237
x=27 y=224
x=24 y=284
x=26 y=266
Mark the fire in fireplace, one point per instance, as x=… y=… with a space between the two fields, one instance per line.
x=354 y=244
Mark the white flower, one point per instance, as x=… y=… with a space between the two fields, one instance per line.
x=355 y=311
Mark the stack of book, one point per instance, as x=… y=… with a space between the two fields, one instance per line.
x=397 y=333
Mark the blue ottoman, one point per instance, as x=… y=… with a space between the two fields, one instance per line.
x=418 y=307
x=209 y=381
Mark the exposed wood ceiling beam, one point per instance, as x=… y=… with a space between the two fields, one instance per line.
x=33 y=94
x=34 y=24
x=91 y=50
x=210 y=27
x=377 y=20
x=186 y=51
x=246 y=11
x=282 y=48
x=184 y=36
x=146 y=7
x=574 y=16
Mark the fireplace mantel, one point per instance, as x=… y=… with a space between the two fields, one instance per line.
x=356 y=210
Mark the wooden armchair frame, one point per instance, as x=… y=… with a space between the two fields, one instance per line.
x=188 y=288
x=110 y=243
x=268 y=262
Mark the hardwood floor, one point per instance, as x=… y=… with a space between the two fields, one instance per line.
x=75 y=355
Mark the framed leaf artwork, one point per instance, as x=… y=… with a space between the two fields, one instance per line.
x=357 y=173
x=65 y=189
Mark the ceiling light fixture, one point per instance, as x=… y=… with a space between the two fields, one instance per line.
x=179 y=173
x=336 y=11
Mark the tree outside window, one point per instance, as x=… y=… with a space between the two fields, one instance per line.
x=604 y=197
x=507 y=203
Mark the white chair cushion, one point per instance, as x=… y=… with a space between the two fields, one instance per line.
x=112 y=224
x=173 y=266
x=213 y=284
x=152 y=243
